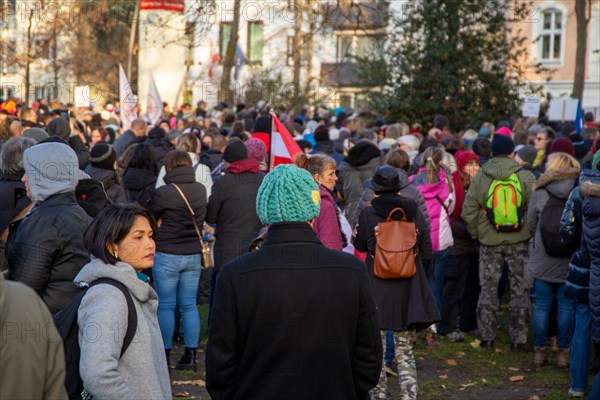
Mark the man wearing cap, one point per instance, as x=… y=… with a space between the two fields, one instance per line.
x=499 y=248
x=47 y=251
x=231 y=207
x=525 y=156
x=293 y=320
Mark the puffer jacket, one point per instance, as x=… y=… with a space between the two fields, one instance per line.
x=577 y=285
x=440 y=203
x=139 y=185
x=540 y=265
x=107 y=177
x=591 y=233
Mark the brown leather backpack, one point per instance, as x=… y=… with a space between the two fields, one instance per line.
x=396 y=248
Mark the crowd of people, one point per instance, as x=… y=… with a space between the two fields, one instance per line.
x=296 y=305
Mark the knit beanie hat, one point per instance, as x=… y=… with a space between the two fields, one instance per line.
x=256 y=149
x=235 y=151
x=463 y=157
x=322 y=134
x=59 y=127
x=36 y=134
x=485 y=132
x=103 y=156
x=562 y=145
x=528 y=153
x=596 y=161
x=502 y=145
x=288 y=194
x=504 y=131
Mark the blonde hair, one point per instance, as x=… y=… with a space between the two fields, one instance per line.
x=432 y=159
x=557 y=161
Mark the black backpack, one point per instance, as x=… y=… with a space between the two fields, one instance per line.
x=91 y=196
x=550 y=227
x=66 y=324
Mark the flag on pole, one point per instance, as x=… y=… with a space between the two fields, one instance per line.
x=282 y=147
x=214 y=59
x=240 y=61
x=579 y=119
x=154 y=103
x=127 y=99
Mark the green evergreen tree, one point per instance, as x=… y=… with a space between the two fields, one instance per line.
x=457 y=58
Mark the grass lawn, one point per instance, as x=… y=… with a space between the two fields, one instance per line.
x=450 y=371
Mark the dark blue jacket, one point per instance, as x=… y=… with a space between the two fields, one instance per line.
x=578 y=280
x=591 y=235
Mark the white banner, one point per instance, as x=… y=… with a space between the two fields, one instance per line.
x=153 y=104
x=127 y=99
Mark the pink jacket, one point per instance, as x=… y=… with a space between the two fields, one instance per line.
x=440 y=203
x=326 y=224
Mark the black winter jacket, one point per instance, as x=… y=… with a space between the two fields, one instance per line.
x=591 y=232
x=232 y=206
x=48 y=251
x=402 y=304
x=177 y=234
x=578 y=279
x=114 y=192
x=13 y=198
x=139 y=185
x=293 y=320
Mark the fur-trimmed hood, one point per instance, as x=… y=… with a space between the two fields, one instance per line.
x=590 y=189
x=556 y=175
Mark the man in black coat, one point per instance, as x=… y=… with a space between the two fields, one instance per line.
x=293 y=320
x=47 y=251
x=232 y=207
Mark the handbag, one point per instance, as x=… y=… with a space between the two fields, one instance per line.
x=207 y=256
x=396 y=248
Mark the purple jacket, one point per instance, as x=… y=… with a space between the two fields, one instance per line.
x=326 y=224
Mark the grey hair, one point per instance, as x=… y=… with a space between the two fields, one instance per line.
x=11 y=155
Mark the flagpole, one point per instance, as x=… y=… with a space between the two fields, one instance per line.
x=271 y=143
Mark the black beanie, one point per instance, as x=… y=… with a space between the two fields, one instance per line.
x=235 y=151
x=502 y=145
x=59 y=127
x=103 y=156
x=321 y=134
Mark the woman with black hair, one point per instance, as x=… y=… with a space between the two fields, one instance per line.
x=121 y=244
x=140 y=176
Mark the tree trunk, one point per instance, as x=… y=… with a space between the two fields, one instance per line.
x=230 y=54
x=310 y=44
x=297 y=50
x=28 y=59
x=582 y=25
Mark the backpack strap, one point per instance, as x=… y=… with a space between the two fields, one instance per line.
x=132 y=319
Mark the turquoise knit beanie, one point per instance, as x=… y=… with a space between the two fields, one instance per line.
x=596 y=160
x=288 y=194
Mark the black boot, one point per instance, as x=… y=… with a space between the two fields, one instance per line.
x=168 y=355
x=188 y=360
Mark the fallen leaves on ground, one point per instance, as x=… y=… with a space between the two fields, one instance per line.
x=467 y=385
x=513 y=369
x=198 y=382
x=452 y=362
x=475 y=343
x=516 y=378
x=443 y=376
x=182 y=394
x=534 y=397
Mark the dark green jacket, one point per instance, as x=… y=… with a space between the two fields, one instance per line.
x=473 y=212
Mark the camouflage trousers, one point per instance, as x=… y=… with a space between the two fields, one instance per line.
x=491 y=263
x=407 y=368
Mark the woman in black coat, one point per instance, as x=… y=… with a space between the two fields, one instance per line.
x=405 y=306
x=177 y=264
x=139 y=178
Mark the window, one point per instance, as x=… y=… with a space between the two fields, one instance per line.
x=359 y=46
x=224 y=35
x=551 y=36
x=255 y=42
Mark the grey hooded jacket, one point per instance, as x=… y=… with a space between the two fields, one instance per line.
x=142 y=372
x=540 y=265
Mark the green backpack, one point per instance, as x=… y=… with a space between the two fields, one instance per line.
x=504 y=206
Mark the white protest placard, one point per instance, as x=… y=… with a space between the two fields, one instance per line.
x=563 y=109
x=82 y=96
x=531 y=106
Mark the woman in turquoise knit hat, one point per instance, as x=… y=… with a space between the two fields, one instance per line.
x=327 y=224
x=293 y=319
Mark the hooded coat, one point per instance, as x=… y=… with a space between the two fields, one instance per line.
x=47 y=250
x=139 y=185
x=114 y=191
x=141 y=373
x=402 y=304
x=360 y=165
x=473 y=212
x=591 y=232
x=577 y=285
x=540 y=265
